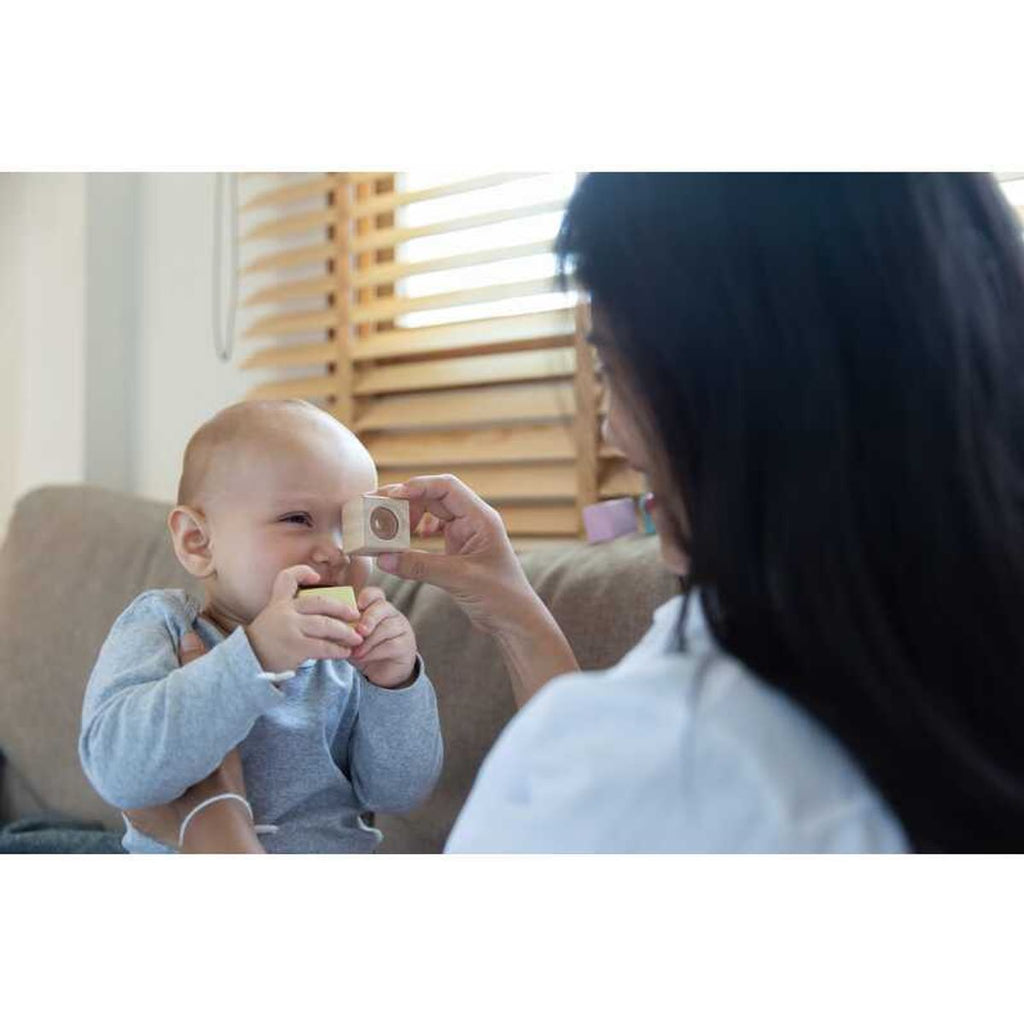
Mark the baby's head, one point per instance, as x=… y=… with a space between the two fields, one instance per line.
x=262 y=487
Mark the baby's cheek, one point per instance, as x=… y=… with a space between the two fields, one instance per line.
x=358 y=572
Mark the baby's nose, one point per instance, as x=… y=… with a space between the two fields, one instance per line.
x=329 y=549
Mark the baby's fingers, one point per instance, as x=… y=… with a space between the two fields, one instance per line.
x=391 y=650
x=370 y=595
x=324 y=627
x=378 y=612
x=389 y=629
x=328 y=650
x=316 y=604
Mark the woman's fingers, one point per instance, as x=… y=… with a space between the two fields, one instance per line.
x=230 y=773
x=446 y=497
x=191 y=647
x=429 y=525
x=159 y=823
x=428 y=566
x=163 y=822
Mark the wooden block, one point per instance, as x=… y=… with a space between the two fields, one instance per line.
x=372 y=525
x=610 y=519
x=645 y=514
x=346 y=595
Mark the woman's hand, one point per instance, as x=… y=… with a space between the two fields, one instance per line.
x=223 y=827
x=478 y=567
x=163 y=823
x=482 y=573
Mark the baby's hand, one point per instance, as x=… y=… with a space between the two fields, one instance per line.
x=287 y=632
x=387 y=655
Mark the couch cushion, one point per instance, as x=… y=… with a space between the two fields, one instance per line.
x=75 y=557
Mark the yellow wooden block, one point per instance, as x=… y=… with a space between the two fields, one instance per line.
x=346 y=595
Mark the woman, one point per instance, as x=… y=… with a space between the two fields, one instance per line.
x=823 y=378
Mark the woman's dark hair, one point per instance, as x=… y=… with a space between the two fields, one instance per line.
x=832 y=366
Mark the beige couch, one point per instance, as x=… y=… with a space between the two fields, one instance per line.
x=75 y=556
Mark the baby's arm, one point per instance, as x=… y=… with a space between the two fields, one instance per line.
x=395 y=750
x=151 y=728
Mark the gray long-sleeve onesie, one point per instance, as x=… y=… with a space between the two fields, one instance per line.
x=317 y=749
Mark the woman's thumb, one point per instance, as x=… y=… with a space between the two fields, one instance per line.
x=428 y=566
x=191 y=647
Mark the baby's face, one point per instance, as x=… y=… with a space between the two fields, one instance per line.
x=275 y=503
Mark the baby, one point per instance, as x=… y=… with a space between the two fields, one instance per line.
x=332 y=707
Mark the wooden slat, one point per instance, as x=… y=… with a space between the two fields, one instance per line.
x=474 y=370
x=547 y=443
x=618 y=479
x=358 y=334
x=296 y=224
x=394 y=200
x=307 y=255
x=308 y=387
x=283 y=324
x=587 y=423
x=386 y=273
x=317 y=354
x=555 y=481
x=509 y=403
x=344 y=400
x=468 y=334
x=395 y=236
x=308 y=286
x=321 y=185
x=463 y=297
x=551 y=520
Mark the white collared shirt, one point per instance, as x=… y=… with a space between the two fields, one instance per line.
x=670 y=752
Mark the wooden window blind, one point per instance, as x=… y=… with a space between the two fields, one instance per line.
x=424 y=313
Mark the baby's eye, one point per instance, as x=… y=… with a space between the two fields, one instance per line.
x=301 y=518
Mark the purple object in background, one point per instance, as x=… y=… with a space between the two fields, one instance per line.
x=610 y=519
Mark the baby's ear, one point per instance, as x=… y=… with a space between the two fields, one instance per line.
x=191 y=535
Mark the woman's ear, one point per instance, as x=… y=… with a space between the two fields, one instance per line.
x=191 y=535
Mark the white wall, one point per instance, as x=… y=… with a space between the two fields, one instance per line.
x=10 y=342
x=107 y=362
x=181 y=381
x=112 y=244
x=42 y=332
